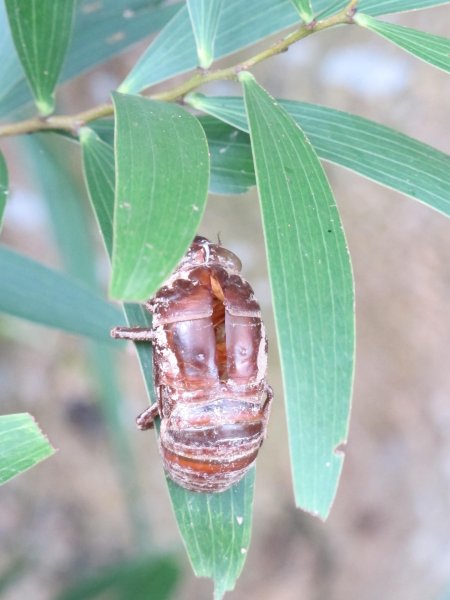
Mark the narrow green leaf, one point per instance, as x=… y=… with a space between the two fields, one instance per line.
x=98 y=165
x=174 y=50
x=241 y=24
x=162 y=171
x=49 y=157
x=22 y=445
x=3 y=187
x=41 y=31
x=231 y=159
x=11 y=72
x=216 y=545
x=375 y=7
x=152 y=578
x=304 y=9
x=34 y=292
x=229 y=152
x=385 y=7
x=372 y=150
x=104 y=128
x=432 y=49
x=101 y=30
x=216 y=530
x=204 y=16
x=312 y=291
x=52 y=158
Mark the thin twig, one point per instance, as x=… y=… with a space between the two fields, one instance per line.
x=72 y=123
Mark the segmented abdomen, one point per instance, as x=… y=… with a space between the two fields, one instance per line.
x=210 y=361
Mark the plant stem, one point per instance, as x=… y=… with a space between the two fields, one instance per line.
x=72 y=123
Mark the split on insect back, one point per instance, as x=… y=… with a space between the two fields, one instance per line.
x=209 y=359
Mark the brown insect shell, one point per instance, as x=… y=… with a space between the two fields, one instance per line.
x=210 y=357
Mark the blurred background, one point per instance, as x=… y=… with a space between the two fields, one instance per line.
x=102 y=497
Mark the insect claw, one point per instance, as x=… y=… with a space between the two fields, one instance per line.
x=136 y=334
x=146 y=420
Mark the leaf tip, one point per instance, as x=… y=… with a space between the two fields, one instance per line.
x=50 y=447
x=321 y=512
x=116 y=95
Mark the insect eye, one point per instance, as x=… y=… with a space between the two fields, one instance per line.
x=228 y=259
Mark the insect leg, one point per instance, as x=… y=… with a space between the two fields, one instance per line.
x=267 y=403
x=146 y=419
x=266 y=407
x=136 y=334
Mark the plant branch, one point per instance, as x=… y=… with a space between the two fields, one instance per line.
x=72 y=123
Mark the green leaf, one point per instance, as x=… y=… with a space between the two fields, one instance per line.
x=162 y=171
x=3 y=187
x=231 y=159
x=312 y=292
x=49 y=157
x=372 y=150
x=101 y=30
x=215 y=527
x=104 y=128
x=385 y=7
x=375 y=7
x=204 y=16
x=174 y=50
x=11 y=72
x=241 y=24
x=41 y=32
x=304 y=9
x=229 y=152
x=150 y=578
x=432 y=49
x=216 y=530
x=34 y=292
x=98 y=165
x=22 y=445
